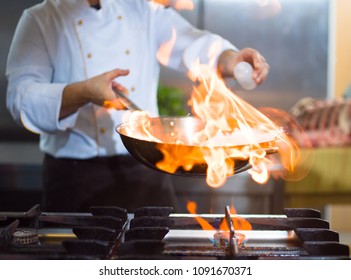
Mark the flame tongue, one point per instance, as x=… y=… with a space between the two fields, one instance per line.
x=234 y=129
x=191 y=206
x=177 y=4
x=238 y=222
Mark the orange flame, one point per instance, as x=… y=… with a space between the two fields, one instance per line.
x=165 y=50
x=190 y=156
x=112 y=104
x=234 y=131
x=191 y=206
x=238 y=222
x=177 y=4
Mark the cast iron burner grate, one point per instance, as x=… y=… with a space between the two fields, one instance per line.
x=159 y=233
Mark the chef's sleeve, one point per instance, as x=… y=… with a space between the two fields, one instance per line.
x=32 y=99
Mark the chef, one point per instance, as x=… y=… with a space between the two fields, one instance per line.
x=65 y=58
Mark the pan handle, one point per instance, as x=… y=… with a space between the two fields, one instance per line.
x=130 y=105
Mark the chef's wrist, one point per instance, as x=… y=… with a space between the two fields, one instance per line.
x=74 y=96
x=79 y=92
x=226 y=63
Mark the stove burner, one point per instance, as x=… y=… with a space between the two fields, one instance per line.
x=222 y=238
x=23 y=237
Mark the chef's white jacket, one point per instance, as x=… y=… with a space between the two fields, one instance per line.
x=59 y=42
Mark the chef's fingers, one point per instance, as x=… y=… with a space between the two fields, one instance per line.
x=257 y=61
x=261 y=72
x=113 y=74
x=260 y=67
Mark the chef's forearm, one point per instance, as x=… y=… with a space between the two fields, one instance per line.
x=73 y=97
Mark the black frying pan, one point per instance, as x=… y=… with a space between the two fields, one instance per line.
x=170 y=131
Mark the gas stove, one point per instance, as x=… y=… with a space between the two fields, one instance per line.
x=107 y=233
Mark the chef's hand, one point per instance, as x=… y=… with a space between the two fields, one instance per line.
x=229 y=59
x=96 y=90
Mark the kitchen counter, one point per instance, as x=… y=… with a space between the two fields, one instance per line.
x=328 y=182
x=337 y=215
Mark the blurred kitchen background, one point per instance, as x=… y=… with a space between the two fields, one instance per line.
x=308 y=46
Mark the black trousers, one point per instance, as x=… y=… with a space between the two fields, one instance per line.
x=72 y=185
